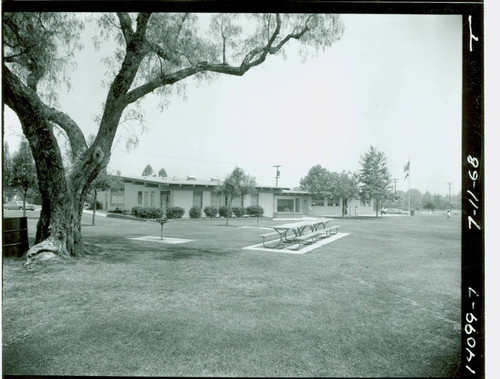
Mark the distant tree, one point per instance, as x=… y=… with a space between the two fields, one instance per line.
x=7 y=190
x=148 y=171
x=24 y=177
x=346 y=187
x=427 y=201
x=237 y=184
x=439 y=201
x=374 y=177
x=101 y=183
x=415 y=198
x=162 y=173
x=318 y=181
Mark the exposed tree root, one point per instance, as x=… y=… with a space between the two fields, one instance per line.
x=45 y=250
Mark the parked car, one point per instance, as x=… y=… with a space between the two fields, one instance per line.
x=86 y=205
x=19 y=205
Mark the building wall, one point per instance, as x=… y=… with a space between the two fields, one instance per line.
x=184 y=199
x=299 y=204
x=266 y=202
x=325 y=210
x=206 y=200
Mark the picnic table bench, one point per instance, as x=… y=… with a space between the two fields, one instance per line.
x=294 y=235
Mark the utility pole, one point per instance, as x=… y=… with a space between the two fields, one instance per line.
x=395 y=180
x=277 y=173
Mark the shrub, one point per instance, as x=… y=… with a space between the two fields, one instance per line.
x=116 y=210
x=210 y=212
x=238 y=211
x=195 y=212
x=255 y=210
x=174 y=212
x=225 y=211
x=147 y=212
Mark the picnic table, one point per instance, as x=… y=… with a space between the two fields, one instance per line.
x=293 y=235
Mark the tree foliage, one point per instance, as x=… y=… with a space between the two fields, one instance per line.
x=374 y=177
x=154 y=53
x=23 y=176
x=162 y=173
x=346 y=187
x=103 y=182
x=319 y=182
x=236 y=185
x=322 y=183
x=148 y=171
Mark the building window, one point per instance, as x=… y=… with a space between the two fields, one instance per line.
x=146 y=198
x=366 y=203
x=152 y=199
x=333 y=202
x=198 y=199
x=139 y=198
x=285 y=205
x=164 y=199
x=117 y=197
x=318 y=202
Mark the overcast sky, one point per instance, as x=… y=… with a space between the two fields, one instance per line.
x=392 y=81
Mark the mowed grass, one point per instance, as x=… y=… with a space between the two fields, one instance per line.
x=383 y=301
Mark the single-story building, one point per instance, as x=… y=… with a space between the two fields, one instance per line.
x=163 y=192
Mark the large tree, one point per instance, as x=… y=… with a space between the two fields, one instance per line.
x=23 y=175
x=153 y=53
x=318 y=181
x=374 y=177
x=236 y=185
x=346 y=187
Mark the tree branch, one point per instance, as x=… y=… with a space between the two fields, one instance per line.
x=66 y=123
x=126 y=26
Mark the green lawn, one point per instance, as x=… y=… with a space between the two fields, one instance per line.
x=382 y=301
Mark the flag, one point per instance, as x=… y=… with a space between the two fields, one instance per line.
x=407 y=167
x=407 y=175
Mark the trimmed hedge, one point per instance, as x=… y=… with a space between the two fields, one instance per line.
x=210 y=212
x=225 y=212
x=239 y=211
x=195 y=212
x=255 y=210
x=146 y=212
x=174 y=212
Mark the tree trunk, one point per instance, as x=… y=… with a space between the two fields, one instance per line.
x=95 y=206
x=58 y=229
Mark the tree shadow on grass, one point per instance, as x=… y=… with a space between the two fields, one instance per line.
x=119 y=250
x=191 y=253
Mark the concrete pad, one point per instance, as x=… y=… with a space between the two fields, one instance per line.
x=303 y=250
x=254 y=227
x=169 y=240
